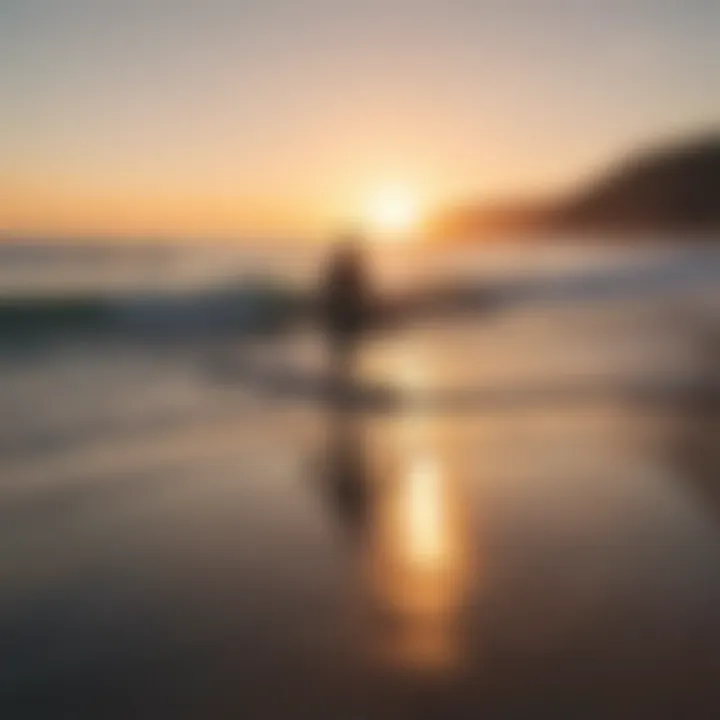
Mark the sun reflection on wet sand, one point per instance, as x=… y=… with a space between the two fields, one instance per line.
x=425 y=513
x=416 y=556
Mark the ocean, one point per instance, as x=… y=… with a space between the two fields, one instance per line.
x=533 y=531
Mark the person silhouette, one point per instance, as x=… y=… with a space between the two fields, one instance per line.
x=343 y=310
x=344 y=306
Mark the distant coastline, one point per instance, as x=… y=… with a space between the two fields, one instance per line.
x=665 y=192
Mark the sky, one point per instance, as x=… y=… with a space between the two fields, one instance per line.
x=230 y=117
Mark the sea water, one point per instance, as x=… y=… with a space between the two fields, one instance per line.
x=177 y=542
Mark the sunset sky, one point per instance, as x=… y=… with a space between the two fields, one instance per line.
x=228 y=117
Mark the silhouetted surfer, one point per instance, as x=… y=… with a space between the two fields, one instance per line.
x=343 y=317
x=345 y=304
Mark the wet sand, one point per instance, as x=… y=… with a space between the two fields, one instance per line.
x=176 y=543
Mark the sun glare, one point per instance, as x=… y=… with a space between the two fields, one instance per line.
x=392 y=211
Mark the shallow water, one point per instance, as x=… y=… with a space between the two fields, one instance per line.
x=178 y=543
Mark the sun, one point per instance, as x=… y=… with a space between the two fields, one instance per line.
x=392 y=211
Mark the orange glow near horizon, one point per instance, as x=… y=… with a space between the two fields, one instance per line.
x=39 y=211
x=265 y=119
x=391 y=213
